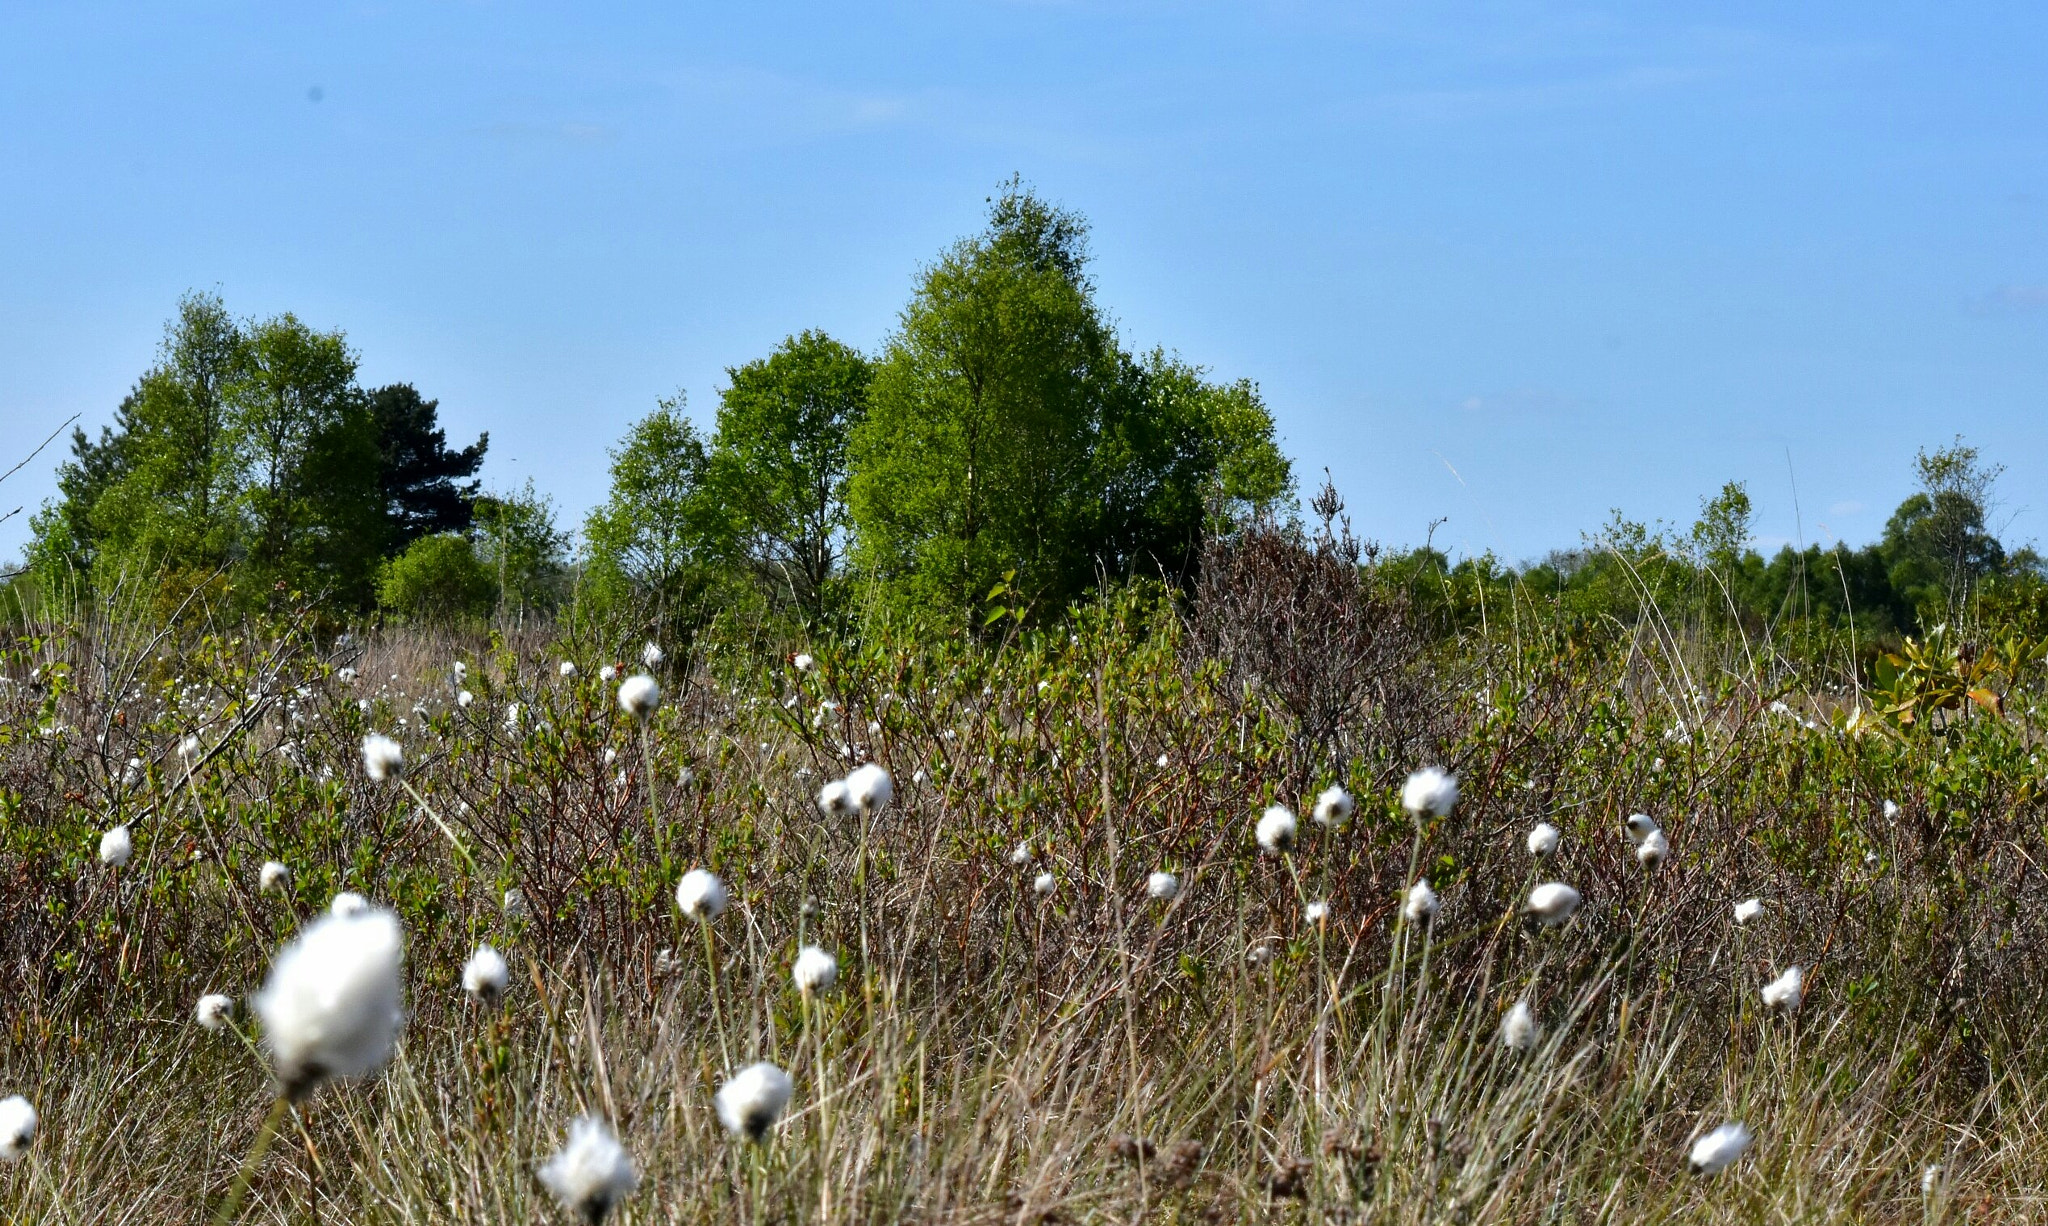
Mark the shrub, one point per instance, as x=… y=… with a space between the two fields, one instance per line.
x=437 y=578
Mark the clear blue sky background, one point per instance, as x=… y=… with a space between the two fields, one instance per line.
x=1509 y=264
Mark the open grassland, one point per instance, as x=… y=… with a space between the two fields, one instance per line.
x=1020 y=1031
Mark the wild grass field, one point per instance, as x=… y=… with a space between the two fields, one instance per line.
x=1027 y=1025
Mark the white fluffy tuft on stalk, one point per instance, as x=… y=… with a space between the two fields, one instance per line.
x=591 y=1172
x=116 y=846
x=1715 y=1151
x=17 y=1127
x=273 y=877
x=213 y=1011
x=485 y=976
x=652 y=655
x=815 y=970
x=1640 y=826
x=753 y=1099
x=1333 y=806
x=1653 y=851
x=1786 y=991
x=1552 y=903
x=566 y=668
x=331 y=1007
x=701 y=895
x=1021 y=854
x=1044 y=884
x=1421 y=903
x=1543 y=839
x=348 y=903
x=1747 y=910
x=1315 y=913
x=1518 y=1029
x=1275 y=830
x=870 y=787
x=1163 y=886
x=835 y=799
x=639 y=696
x=383 y=758
x=1429 y=791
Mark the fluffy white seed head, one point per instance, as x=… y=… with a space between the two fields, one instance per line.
x=213 y=1010
x=485 y=976
x=1316 y=912
x=652 y=655
x=871 y=787
x=1421 y=903
x=1020 y=855
x=1429 y=791
x=1163 y=886
x=1518 y=1029
x=1275 y=830
x=1044 y=884
x=1639 y=826
x=1333 y=806
x=803 y=661
x=464 y=698
x=591 y=1172
x=382 y=758
x=815 y=970
x=566 y=668
x=1748 y=909
x=1543 y=839
x=188 y=748
x=1930 y=1179
x=609 y=672
x=1653 y=850
x=1891 y=809
x=348 y=903
x=1552 y=903
x=1786 y=991
x=116 y=846
x=751 y=1102
x=17 y=1127
x=639 y=695
x=461 y=670
x=273 y=877
x=513 y=905
x=701 y=895
x=1715 y=1151
x=331 y=1007
x=835 y=799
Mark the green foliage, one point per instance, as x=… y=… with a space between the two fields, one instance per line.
x=518 y=542
x=778 y=464
x=438 y=578
x=656 y=542
x=421 y=480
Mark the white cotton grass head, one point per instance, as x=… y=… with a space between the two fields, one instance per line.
x=1786 y=991
x=188 y=748
x=1930 y=1179
x=592 y=1172
x=331 y=1006
x=804 y=662
x=1421 y=903
x=1429 y=791
x=1748 y=909
x=383 y=758
x=464 y=698
x=17 y=1127
x=609 y=672
x=1653 y=850
x=116 y=846
x=1518 y=1028
x=1315 y=912
x=1333 y=806
x=1891 y=809
x=1275 y=830
x=701 y=895
x=1552 y=903
x=835 y=799
x=1162 y=886
x=753 y=1099
x=485 y=976
x=348 y=903
x=639 y=695
x=815 y=970
x=652 y=655
x=513 y=904
x=1021 y=854
x=1044 y=884
x=213 y=1010
x=1639 y=826
x=273 y=877
x=870 y=787
x=566 y=668
x=1543 y=839
x=1715 y=1151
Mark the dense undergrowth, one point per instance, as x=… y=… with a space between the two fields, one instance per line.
x=997 y=1053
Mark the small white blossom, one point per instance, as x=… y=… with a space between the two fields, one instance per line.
x=1930 y=1179
x=1429 y=791
x=1713 y=1152
x=1543 y=839
x=116 y=846
x=639 y=695
x=213 y=1010
x=1653 y=850
x=1044 y=884
x=464 y=698
x=591 y=1172
x=1891 y=810
x=1518 y=1030
x=1421 y=903
x=835 y=799
x=566 y=668
x=815 y=970
x=750 y=1103
x=188 y=748
x=652 y=655
x=382 y=758
x=485 y=976
x=1748 y=909
x=1786 y=991
x=1163 y=886
x=273 y=877
x=701 y=895
x=1275 y=830
x=1552 y=903
x=1640 y=826
x=871 y=788
x=1315 y=912
x=331 y=1007
x=609 y=672
x=1021 y=854
x=1333 y=806
x=803 y=661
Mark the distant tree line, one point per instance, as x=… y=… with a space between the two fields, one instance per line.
x=1002 y=443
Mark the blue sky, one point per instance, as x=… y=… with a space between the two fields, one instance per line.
x=1506 y=265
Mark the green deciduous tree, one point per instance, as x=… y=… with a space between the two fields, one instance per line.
x=438 y=578
x=657 y=540
x=778 y=463
x=517 y=540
